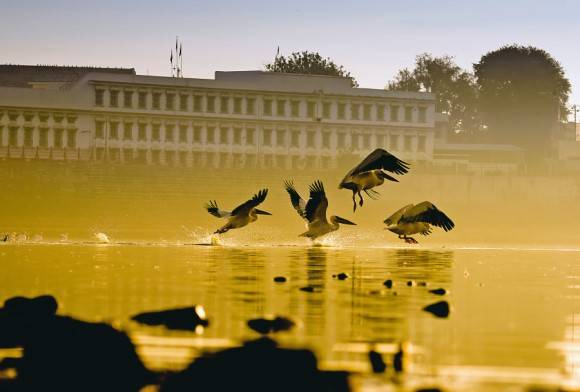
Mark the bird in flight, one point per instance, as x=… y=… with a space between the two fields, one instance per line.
x=413 y=219
x=242 y=215
x=371 y=173
x=314 y=211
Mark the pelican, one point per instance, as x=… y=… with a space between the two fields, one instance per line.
x=370 y=173
x=241 y=215
x=314 y=212
x=413 y=219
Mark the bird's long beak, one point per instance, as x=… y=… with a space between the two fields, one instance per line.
x=260 y=212
x=344 y=221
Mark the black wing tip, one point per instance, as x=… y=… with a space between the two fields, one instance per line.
x=317 y=187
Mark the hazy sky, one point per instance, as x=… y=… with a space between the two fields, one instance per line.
x=372 y=39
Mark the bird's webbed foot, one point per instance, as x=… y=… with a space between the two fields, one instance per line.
x=410 y=240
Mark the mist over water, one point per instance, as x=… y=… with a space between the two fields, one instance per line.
x=511 y=257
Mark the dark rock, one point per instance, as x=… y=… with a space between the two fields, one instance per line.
x=439 y=309
x=308 y=289
x=270 y=325
x=428 y=390
x=422 y=284
x=181 y=318
x=411 y=283
x=64 y=354
x=257 y=366
x=377 y=363
x=280 y=279
x=439 y=291
x=388 y=283
x=341 y=276
x=398 y=360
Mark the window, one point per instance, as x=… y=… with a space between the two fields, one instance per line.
x=295 y=139
x=422 y=115
x=196 y=137
x=142 y=132
x=394 y=113
x=295 y=108
x=99 y=97
x=210 y=136
x=267 y=107
x=267 y=141
x=43 y=117
x=224 y=136
x=113 y=98
x=71 y=138
x=27 y=117
x=281 y=138
x=311 y=139
x=281 y=107
x=408 y=143
x=311 y=109
x=128 y=99
x=183 y=133
x=156 y=132
x=367 y=112
x=128 y=131
x=326 y=109
x=381 y=141
x=354 y=109
x=366 y=141
x=156 y=104
x=99 y=129
x=394 y=142
x=380 y=112
x=13 y=136
x=58 y=136
x=408 y=114
x=169 y=101
x=250 y=106
x=169 y=132
x=421 y=143
x=113 y=130
x=325 y=139
x=224 y=105
x=341 y=110
x=43 y=137
x=197 y=100
x=71 y=119
x=28 y=133
x=237 y=136
x=142 y=98
x=211 y=104
x=341 y=140
x=250 y=134
x=183 y=100
x=238 y=105
x=58 y=117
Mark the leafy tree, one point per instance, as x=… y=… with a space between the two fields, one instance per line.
x=455 y=89
x=309 y=63
x=523 y=93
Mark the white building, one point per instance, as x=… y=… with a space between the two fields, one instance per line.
x=241 y=119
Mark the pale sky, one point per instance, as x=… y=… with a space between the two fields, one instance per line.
x=372 y=39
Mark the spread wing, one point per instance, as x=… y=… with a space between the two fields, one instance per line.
x=317 y=204
x=212 y=208
x=298 y=203
x=394 y=219
x=245 y=208
x=380 y=159
x=427 y=212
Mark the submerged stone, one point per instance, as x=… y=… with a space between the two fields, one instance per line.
x=271 y=324
x=439 y=291
x=308 y=289
x=377 y=363
x=411 y=283
x=439 y=309
x=341 y=276
x=388 y=283
x=280 y=279
x=187 y=318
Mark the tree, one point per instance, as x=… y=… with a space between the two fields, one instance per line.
x=523 y=94
x=309 y=63
x=454 y=88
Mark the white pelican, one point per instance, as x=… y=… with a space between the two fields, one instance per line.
x=314 y=212
x=370 y=173
x=413 y=219
x=241 y=215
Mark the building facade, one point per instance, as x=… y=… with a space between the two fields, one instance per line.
x=238 y=119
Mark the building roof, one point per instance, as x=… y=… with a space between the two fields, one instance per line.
x=13 y=75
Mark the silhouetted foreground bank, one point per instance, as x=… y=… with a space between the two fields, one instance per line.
x=64 y=354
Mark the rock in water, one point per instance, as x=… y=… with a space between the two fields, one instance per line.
x=377 y=363
x=398 y=360
x=341 y=276
x=271 y=324
x=439 y=291
x=181 y=318
x=280 y=279
x=388 y=283
x=439 y=309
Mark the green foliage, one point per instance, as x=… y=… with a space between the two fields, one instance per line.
x=455 y=89
x=309 y=63
x=523 y=92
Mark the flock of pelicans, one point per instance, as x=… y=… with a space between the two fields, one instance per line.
x=370 y=173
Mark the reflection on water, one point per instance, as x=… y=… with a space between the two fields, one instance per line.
x=508 y=313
